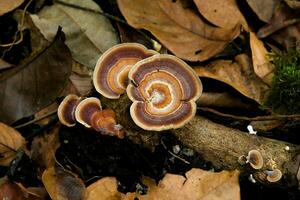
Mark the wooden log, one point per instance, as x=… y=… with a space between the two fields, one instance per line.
x=220 y=145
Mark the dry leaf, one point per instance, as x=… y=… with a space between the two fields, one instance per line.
x=83 y=84
x=4 y=64
x=198 y=184
x=88 y=34
x=9 y=5
x=43 y=149
x=63 y=185
x=295 y=4
x=266 y=125
x=288 y=37
x=180 y=29
x=34 y=84
x=222 y=13
x=240 y=75
x=264 y=9
x=283 y=17
x=10 y=141
x=261 y=64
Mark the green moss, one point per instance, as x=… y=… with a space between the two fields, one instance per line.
x=284 y=96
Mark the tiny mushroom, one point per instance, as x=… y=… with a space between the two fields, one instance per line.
x=273 y=175
x=255 y=159
x=66 y=110
x=90 y=114
x=163 y=89
x=111 y=72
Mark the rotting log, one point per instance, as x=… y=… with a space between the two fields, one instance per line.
x=219 y=144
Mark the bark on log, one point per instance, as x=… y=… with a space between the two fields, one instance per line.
x=220 y=145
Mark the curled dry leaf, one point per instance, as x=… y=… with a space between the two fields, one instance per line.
x=264 y=9
x=198 y=184
x=62 y=184
x=240 y=75
x=283 y=17
x=180 y=29
x=43 y=149
x=261 y=64
x=9 y=5
x=222 y=13
x=36 y=83
x=88 y=34
x=10 y=141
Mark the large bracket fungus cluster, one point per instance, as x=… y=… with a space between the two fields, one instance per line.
x=163 y=88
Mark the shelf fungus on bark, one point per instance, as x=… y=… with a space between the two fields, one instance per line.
x=273 y=175
x=90 y=114
x=66 y=110
x=111 y=72
x=255 y=159
x=163 y=89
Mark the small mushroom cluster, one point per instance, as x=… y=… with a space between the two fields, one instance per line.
x=163 y=88
x=88 y=112
x=255 y=159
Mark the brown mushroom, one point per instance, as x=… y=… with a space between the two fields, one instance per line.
x=255 y=159
x=66 y=110
x=111 y=71
x=163 y=89
x=90 y=114
x=273 y=175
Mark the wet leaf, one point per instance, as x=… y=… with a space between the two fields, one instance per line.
x=36 y=83
x=261 y=64
x=63 y=185
x=88 y=34
x=43 y=149
x=9 y=5
x=240 y=75
x=10 y=141
x=222 y=13
x=180 y=29
x=283 y=17
x=198 y=184
x=263 y=9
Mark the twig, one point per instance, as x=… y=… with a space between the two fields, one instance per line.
x=15 y=42
x=174 y=155
x=153 y=42
x=259 y=118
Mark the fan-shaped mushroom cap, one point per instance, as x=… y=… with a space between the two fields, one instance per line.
x=86 y=109
x=66 y=110
x=110 y=74
x=274 y=175
x=255 y=159
x=163 y=89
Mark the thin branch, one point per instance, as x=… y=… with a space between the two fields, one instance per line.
x=174 y=155
x=259 y=118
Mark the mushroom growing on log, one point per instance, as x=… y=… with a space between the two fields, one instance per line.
x=110 y=74
x=66 y=110
x=220 y=145
x=163 y=89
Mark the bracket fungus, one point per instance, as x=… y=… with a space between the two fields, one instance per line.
x=163 y=89
x=273 y=175
x=90 y=114
x=111 y=71
x=255 y=159
x=66 y=110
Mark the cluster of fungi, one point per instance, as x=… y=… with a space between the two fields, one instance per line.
x=162 y=87
x=255 y=159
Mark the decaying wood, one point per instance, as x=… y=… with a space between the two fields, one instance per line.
x=219 y=144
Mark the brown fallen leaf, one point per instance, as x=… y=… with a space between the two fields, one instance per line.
x=180 y=29
x=283 y=17
x=198 y=184
x=263 y=9
x=83 y=84
x=4 y=64
x=222 y=13
x=295 y=4
x=43 y=149
x=240 y=75
x=10 y=142
x=288 y=37
x=35 y=83
x=266 y=125
x=9 y=5
x=62 y=184
x=261 y=64
x=88 y=34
